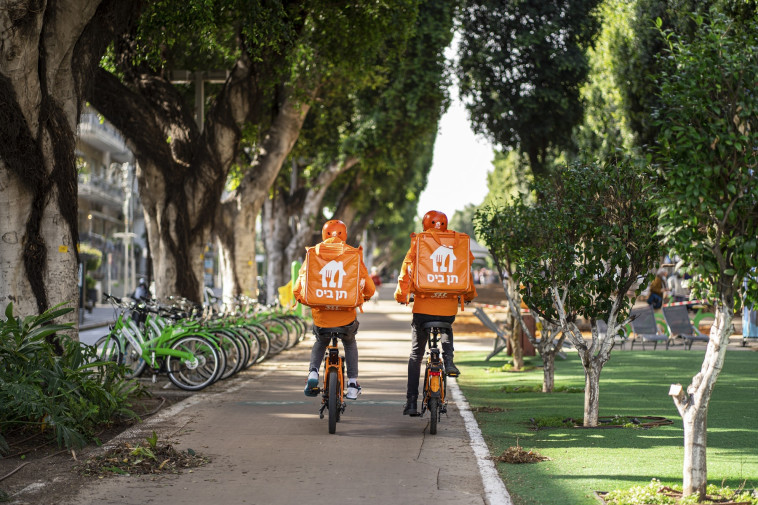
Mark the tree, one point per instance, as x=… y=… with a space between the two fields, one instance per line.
x=184 y=160
x=512 y=231
x=48 y=56
x=577 y=252
x=386 y=131
x=510 y=177
x=606 y=126
x=520 y=69
x=343 y=50
x=707 y=155
x=463 y=220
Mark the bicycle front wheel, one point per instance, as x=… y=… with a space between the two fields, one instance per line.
x=333 y=399
x=434 y=414
x=199 y=369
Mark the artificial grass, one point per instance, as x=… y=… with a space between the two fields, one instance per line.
x=632 y=383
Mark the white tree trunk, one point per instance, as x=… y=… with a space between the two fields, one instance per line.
x=693 y=405
x=236 y=243
x=238 y=212
x=593 y=356
x=40 y=101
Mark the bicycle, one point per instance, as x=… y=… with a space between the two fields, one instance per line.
x=334 y=381
x=435 y=380
x=192 y=359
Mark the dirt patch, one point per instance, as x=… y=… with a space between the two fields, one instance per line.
x=32 y=459
x=151 y=456
x=487 y=410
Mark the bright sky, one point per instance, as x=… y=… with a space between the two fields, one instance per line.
x=461 y=161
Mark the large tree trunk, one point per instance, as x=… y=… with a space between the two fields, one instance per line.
x=693 y=405
x=275 y=239
x=180 y=180
x=285 y=243
x=235 y=224
x=46 y=59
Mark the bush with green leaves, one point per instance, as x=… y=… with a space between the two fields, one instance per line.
x=65 y=397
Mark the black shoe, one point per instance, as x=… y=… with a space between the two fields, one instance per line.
x=450 y=369
x=411 y=407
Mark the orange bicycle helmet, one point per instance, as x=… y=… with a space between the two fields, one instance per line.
x=435 y=219
x=334 y=228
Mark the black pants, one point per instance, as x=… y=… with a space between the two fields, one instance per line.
x=419 y=338
x=348 y=342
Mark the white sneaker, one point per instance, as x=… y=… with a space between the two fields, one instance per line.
x=353 y=391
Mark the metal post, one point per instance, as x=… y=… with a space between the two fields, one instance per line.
x=199 y=99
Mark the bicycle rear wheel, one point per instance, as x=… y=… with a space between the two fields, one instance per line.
x=278 y=333
x=233 y=350
x=200 y=371
x=434 y=414
x=109 y=349
x=264 y=340
x=332 y=400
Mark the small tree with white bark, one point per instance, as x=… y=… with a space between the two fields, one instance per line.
x=578 y=251
x=708 y=159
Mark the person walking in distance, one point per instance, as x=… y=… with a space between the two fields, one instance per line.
x=377 y=281
x=432 y=306
x=332 y=278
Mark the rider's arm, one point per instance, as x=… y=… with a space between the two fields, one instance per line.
x=404 y=279
x=471 y=293
x=298 y=286
x=368 y=284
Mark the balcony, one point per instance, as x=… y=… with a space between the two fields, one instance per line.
x=103 y=137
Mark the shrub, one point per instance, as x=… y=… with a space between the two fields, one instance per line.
x=67 y=396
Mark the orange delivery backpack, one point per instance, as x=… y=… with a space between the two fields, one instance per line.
x=332 y=276
x=442 y=268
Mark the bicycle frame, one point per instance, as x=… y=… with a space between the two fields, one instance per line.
x=334 y=366
x=435 y=380
x=152 y=350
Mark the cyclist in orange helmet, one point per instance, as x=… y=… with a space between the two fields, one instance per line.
x=325 y=320
x=426 y=309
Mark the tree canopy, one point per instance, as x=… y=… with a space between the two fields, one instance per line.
x=521 y=66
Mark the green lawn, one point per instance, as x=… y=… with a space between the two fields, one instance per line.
x=633 y=383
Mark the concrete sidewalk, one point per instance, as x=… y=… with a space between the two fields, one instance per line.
x=268 y=445
x=101 y=316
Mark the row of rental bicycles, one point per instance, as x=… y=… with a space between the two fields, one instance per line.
x=196 y=346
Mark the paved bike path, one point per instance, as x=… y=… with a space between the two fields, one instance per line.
x=268 y=445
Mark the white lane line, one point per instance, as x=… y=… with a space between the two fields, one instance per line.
x=494 y=489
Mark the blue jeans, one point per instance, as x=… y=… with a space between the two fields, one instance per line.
x=655 y=300
x=348 y=342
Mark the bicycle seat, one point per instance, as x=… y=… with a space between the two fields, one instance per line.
x=437 y=324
